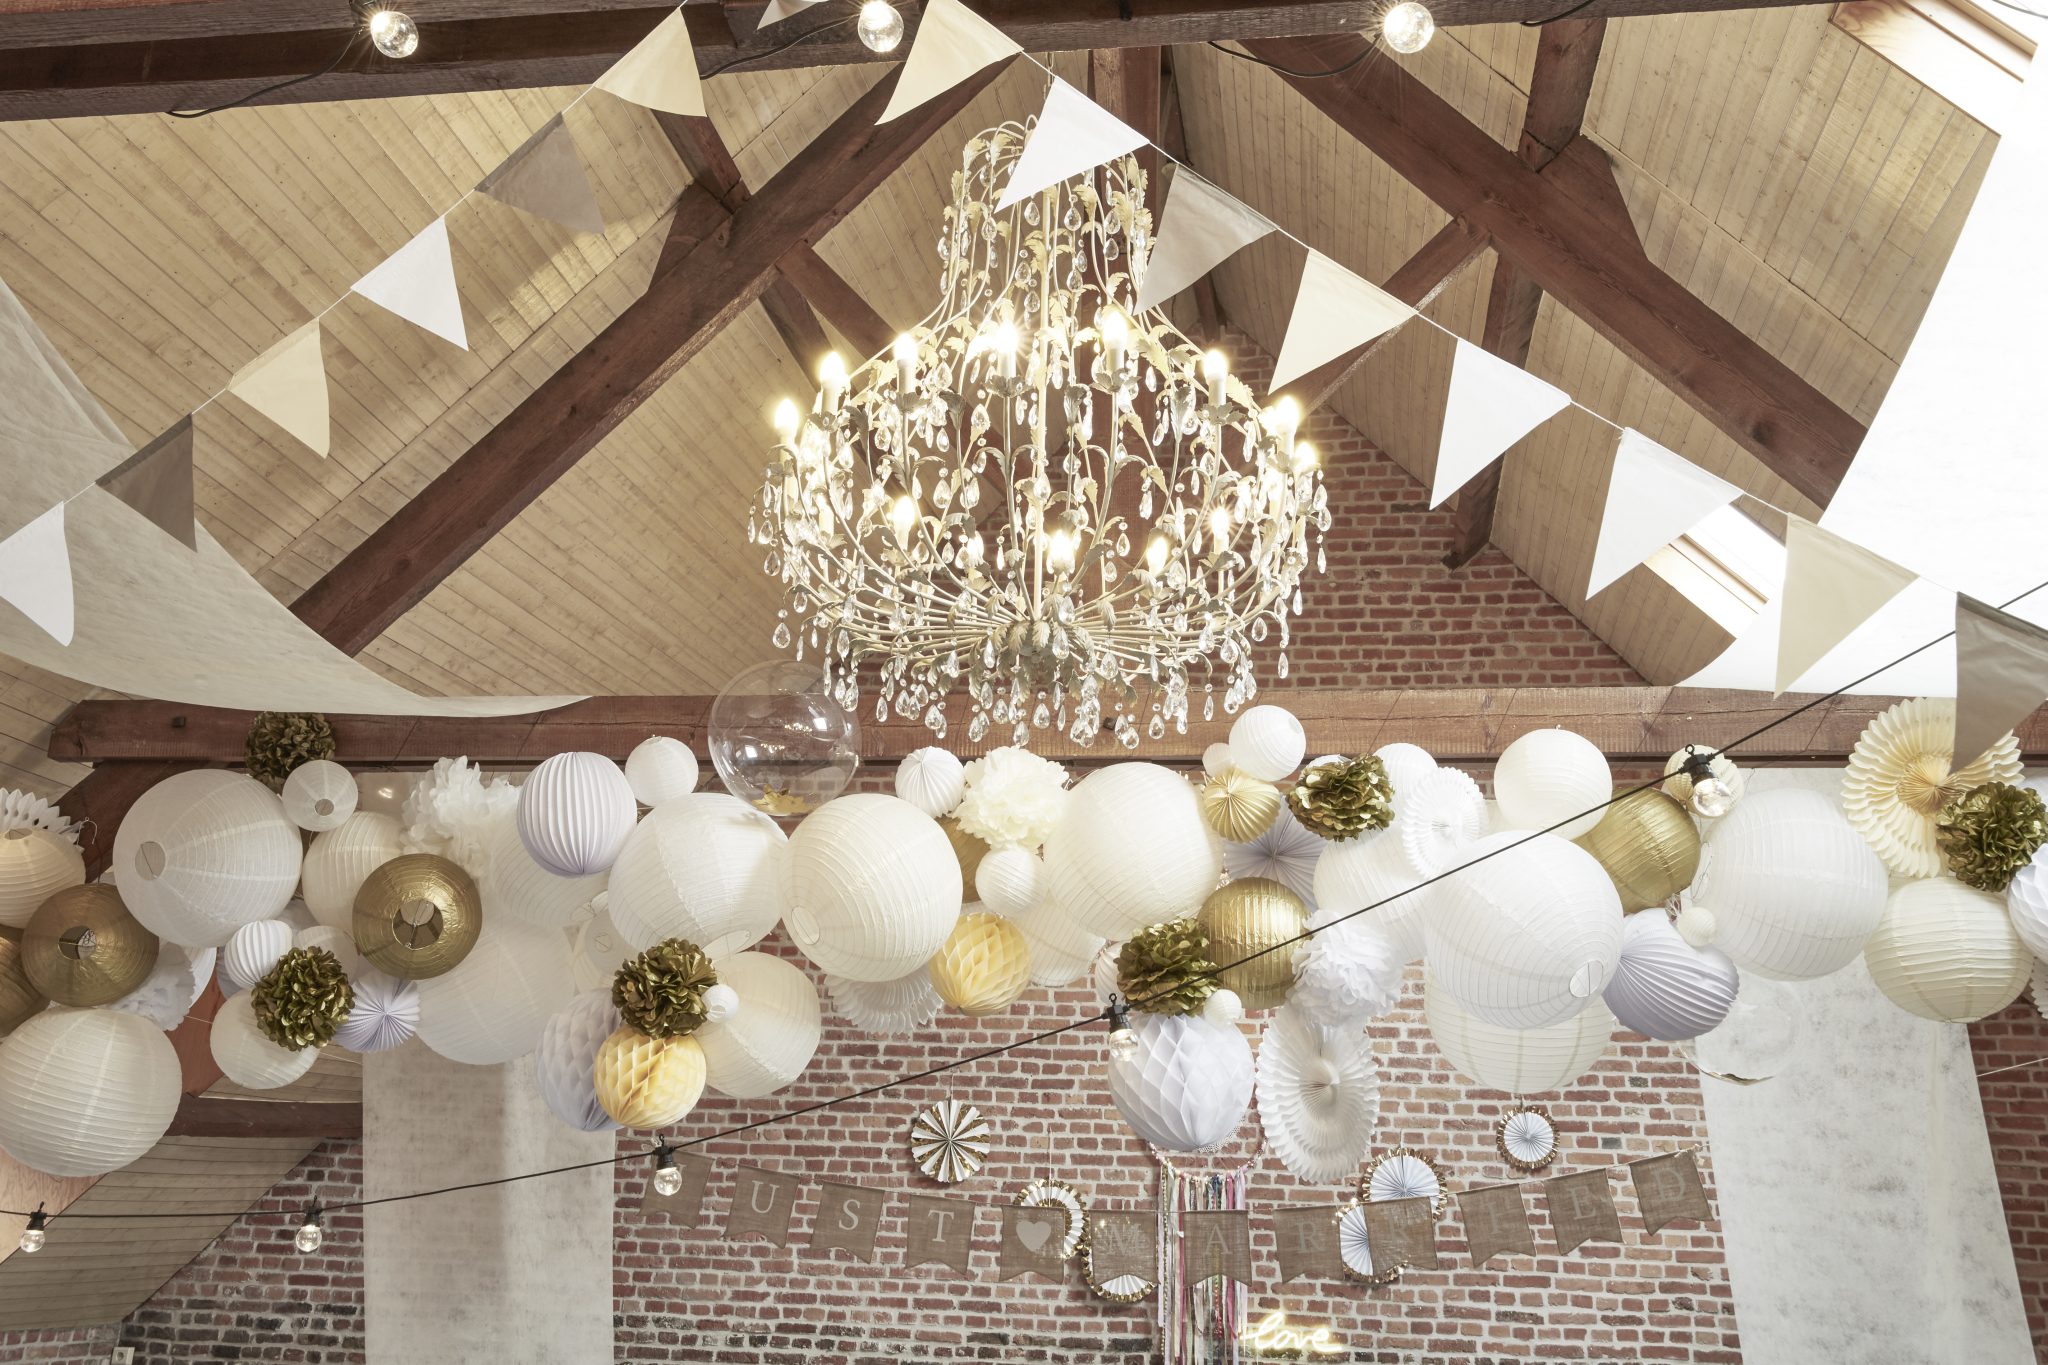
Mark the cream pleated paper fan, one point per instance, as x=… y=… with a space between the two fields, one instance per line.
x=1445 y=811
x=1319 y=1097
x=901 y=1006
x=1898 y=780
x=1286 y=853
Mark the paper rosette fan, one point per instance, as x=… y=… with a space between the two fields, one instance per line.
x=1899 y=778
x=1443 y=812
x=1399 y=1173
x=26 y=810
x=1319 y=1097
x=904 y=1005
x=1286 y=853
x=386 y=1013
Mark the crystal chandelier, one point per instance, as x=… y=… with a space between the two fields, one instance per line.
x=1042 y=496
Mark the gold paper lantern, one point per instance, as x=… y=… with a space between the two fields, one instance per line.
x=984 y=964
x=1245 y=917
x=645 y=1082
x=417 y=916
x=970 y=849
x=20 y=1001
x=1649 y=846
x=83 y=948
x=1240 y=808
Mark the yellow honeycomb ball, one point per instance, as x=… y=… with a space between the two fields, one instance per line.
x=984 y=964
x=645 y=1082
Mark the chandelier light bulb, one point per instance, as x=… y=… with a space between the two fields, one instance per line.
x=1305 y=458
x=1156 y=550
x=786 y=421
x=394 y=33
x=881 y=26
x=902 y=519
x=1116 y=338
x=832 y=379
x=1215 y=369
x=32 y=1235
x=1282 y=419
x=309 y=1236
x=906 y=362
x=1060 y=548
x=1219 y=528
x=1408 y=26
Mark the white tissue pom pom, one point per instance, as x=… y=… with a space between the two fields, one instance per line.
x=1012 y=796
x=1223 y=1007
x=1345 y=976
x=720 y=1004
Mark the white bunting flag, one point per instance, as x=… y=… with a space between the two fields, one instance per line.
x=1832 y=586
x=35 y=574
x=545 y=178
x=288 y=384
x=778 y=10
x=1200 y=228
x=417 y=282
x=1334 y=311
x=660 y=72
x=2001 y=675
x=1653 y=498
x=1073 y=134
x=1492 y=405
x=952 y=43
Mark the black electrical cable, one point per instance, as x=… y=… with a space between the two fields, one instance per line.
x=1370 y=48
x=1553 y=18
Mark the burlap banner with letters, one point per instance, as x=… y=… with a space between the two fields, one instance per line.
x=1496 y=1221
x=937 y=1229
x=1668 y=1188
x=1401 y=1232
x=848 y=1218
x=1121 y=1244
x=1031 y=1242
x=1216 y=1242
x=1306 y=1243
x=762 y=1202
x=1581 y=1209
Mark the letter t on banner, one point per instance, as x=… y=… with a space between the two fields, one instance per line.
x=936 y=1229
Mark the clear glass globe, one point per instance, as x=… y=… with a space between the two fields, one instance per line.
x=1760 y=1038
x=667 y=1180
x=1408 y=27
x=1712 y=798
x=780 y=742
x=394 y=33
x=880 y=26
x=309 y=1238
x=32 y=1241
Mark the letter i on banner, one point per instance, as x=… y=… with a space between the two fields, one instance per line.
x=1496 y=1221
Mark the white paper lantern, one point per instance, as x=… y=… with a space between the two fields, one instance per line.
x=596 y=947
x=339 y=860
x=771 y=1038
x=874 y=887
x=931 y=779
x=491 y=1006
x=661 y=769
x=1552 y=775
x=1518 y=1061
x=1373 y=870
x=1947 y=951
x=34 y=866
x=708 y=868
x=204 y=853
x=319 y=795
x=565 y=1060
x=514 y=884
x=251 y=952
x=1009 y=881
x=386 y=1013
x=904 y=1005
x=1132 y=849
x=1061 y=950
x=1406 y=764
x=1217 y=759
x=1267 y=742
x=339 y=942
x=248 y=1058
x=1793 y=889
x=575 y=811
x=1663 y=987
x=172 y=987
x=84 y=1092
x=1188 y=1084
x=2026 y=899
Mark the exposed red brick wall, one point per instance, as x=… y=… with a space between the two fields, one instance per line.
x=2016 y=1113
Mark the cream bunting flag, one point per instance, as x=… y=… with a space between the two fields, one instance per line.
x=778 y=10
x=952 y=43
x=1653 y=497
x=417 y=282
x=1832 y=586
x=2001 y=675
x=1200 y=228
x=1492 y=405
x=35 y=574
x=545 y=178
x=660 y=72
x=288 y=384
x=1074 y=134
x=157 y=482
x=1334 y=311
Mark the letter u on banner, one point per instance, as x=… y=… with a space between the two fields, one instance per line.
x=762 y=1202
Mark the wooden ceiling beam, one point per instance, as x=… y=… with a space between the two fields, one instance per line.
x=220 y=1116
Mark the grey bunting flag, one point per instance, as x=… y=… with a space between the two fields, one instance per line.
x=762 y=1202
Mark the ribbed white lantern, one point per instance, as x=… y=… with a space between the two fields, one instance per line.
x=1947 y=951
x=708 y=868
x=931 y=779
x=1188 y=1084
x=1372 y=870
x=1663 y=987
x=251 y=952
x=204 y=853
x=1009 y=881
x=565 y=1060
x=1406 y=764
x=772 y=1036
x=34 y=866
x=1525 y=938
x=575 y=811
x=1794 y=890
x=248 y=1058
x=1517 y=1061
x=319 y=795
x=339 y=860
x=386 y=1013
x=84 y=1092
x=1131 y=849
x=493 y=1004
x=339 y=942
x=874 y=887
x=1267 y=742
x=2026 y=900
x=514 y=884
x=1552 y=775
x=1061 y=950
x=659 y=769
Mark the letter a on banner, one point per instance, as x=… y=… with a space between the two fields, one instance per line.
x=952 y=43
x=1492 y=405
x=1832 y=586
x=288 y=384
x=1200 y=228
x=2001 y=675
x=660 y=72
x=417 y=282
x=35 y=574
x=1074 y=134
x=1334 y=311
x=1653 y=498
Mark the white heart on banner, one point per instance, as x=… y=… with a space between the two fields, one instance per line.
x=288 y=384
x=2001 y=675
x=35 y=574
x=952 y=43
x=660 y=72
x=1334 y=311
x=1200 y=228
x=417 y=282
x=1073 y=134
x=1492 y=405
x=1653 y=497
x=1832 y=586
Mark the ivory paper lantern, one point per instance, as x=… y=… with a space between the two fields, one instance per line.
x=338 y=942
x=340 y=860
x=1061 y=950
x=708 y=868
x=1525 y=938
x=565 y=1063
x=34 y=866
x=1548 y=776
x=417 y=916
x=514 y=884
x=1373 y=870
x=1268 y=743
x=83 y=947
x=1009 y=881
x=1947 y=951
x=492 y=1006
x=874 y=887
x=386 y=1013
x=1249 y=916
x=1663 y=987
x=2026 y=900
x=84 y=1092
x=1406 y=765
x=645 y=1082
x=575 y=811
x=248 y=1058
x=19 y=999
x=319 y=795
x=1217 y=760
x=1649 y=846
x=1131 y=849
x=772 y=1036
x=1794 y=890
x=1187 y=1085
x=659 y=769
x=983 y=966
x=251 y=952
x=204 y=853
x=931 y=779
x=1517 y=1061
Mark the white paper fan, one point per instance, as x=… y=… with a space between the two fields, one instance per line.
x=901 y=1006
x=386 y=1013
x=1400 y=1173
x=1354 y=1248
x=1319 y=1097
x=1286 y=853
x=1445 y=811
x=1898 y=779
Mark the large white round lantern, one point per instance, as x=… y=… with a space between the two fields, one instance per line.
x=1552 y=775
x=251 y=952
x=34 y=866
x=575 y=811
x=386 y=1013
x=340 y=860
x=491 y=1006
x=84 y=1092
x=1794 y=890
x=566 y=1060
x=248 y=1058
x=660 y=769
x=1517 y=1061
x=874 y=887
x=1267 y=742
x=514 y=884
x=1061 y=950
x=708 y=868
x=1187 y=1085
x=204 y=853
x=319 y=795
x=2026 y=899
x=771 y=1037
x=1663 y=987
x=1947 y=951
x=1373 y=870
x=1131 y=849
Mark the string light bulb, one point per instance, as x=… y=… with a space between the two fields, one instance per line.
x=1711 y=797
x=880 y=27
x=32 y=1235
x=309 y=1236
x=1123 y=1040
x=394 y=33
x=1408 y=26
x=668 y=1180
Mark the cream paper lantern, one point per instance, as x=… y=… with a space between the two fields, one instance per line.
x=1373 y=870
x=1218 y=760
x=251 y=952
x=340 y=942
x=34 y=866
x=768 y=1041
x=514 y=884
x=1132 y=849
x=1061 y=950
x=575 y=811
x=708 y=868
x=1526 y=937
x=84 y=1092
x=983 y=966
x=248 y=1058
x=204 y=853
x=1406 y=764
x=874 y=887
x=319 y=795
x=1947 y=951
x=491 y=1006
x=931 y=779
x=386 y=1013
x=1517 y=1061
x=1548 y=776
x=1267 y=742
x=1794 y=890
x=2026 y=900
x=1009 y=881
x=1663 y=987
x=1187 y=1085
x=340 y=860
x=565 y=1060
x=659 y=769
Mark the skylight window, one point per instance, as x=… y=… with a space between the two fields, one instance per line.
x=1728 y=566
x=1973 y=55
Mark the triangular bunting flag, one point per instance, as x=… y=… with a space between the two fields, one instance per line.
x=288 y=384
x=1073 y=134
x=660 y=72
x=952 y=43
x=1334 y=311
x=35 y=574
x=157 y=482
x=778 y=10
x=1832 y=586
x=2001 y=675
x=545 y=178
x=1492 y=405
x=417 y=282
x=1201 y=227
x=1653 y=498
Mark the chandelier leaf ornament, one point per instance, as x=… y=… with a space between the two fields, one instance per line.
x=1043 y=496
